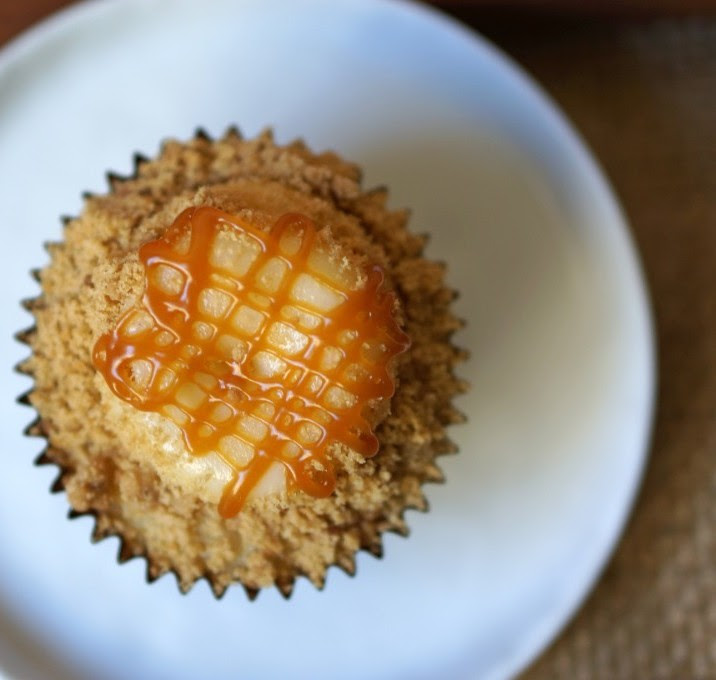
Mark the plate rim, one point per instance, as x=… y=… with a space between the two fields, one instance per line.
x=69 y=19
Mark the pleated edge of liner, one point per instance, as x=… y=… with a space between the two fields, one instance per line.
x=125 y=552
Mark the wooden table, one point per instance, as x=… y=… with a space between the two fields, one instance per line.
x=642 y=90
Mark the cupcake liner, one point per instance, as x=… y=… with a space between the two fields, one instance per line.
x=129 y=550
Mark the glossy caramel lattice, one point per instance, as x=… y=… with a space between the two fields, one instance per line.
x=258 y=345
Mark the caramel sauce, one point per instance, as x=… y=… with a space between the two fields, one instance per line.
x=256 y=351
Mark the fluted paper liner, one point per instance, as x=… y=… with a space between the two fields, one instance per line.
x=128 y=549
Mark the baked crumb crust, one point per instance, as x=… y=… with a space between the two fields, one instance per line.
x=94 y=275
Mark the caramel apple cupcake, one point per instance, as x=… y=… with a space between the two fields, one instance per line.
x=242 y=364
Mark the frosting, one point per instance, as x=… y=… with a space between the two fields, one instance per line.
x=263 y=347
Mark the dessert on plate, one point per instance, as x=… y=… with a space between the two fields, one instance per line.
x=242 y=363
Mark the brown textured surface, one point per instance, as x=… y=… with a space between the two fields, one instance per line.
x=644 y=96
x=17 y=15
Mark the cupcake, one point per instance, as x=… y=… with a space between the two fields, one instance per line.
x=242 y=364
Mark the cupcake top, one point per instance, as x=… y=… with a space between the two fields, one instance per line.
x=201 y=490
x=264 y=348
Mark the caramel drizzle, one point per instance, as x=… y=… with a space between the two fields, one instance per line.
x=213 y=393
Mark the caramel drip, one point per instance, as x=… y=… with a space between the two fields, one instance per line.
x=230 y=343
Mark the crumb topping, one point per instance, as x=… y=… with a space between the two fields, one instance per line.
x=131 y=470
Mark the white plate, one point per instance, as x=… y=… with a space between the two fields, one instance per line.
x=559 y=330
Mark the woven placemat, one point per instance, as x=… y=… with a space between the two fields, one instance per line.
x=644 y=96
